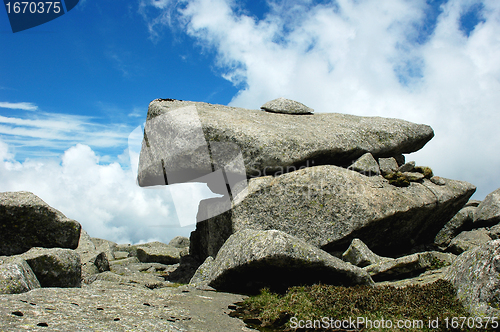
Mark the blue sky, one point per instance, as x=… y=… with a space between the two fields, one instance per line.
x=72 y=90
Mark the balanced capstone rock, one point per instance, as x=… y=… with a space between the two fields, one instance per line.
x=187 y=140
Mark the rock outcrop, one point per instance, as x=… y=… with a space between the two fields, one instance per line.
x=177 y=133
x=251 y=260
x=476 y=276
x=320 y=186
x=26 y=221
x=328 y=206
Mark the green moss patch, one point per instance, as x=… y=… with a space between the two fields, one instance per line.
x=321 y=303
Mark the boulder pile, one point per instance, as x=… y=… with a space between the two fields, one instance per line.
x=308 y=198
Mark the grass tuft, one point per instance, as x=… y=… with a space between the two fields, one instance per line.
x=272 y=312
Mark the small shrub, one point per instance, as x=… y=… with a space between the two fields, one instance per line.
x=426 y=171
x=397 y=179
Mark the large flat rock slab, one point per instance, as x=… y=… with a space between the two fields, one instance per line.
x=183 y=140
x=328 y=206
x=109 y=306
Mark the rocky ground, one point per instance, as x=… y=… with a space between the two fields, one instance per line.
x=376 y=220
x=110 y=306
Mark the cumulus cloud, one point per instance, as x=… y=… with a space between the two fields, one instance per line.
x=427 y=63
x=104 y=198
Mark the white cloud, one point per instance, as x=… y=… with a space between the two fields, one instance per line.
x=104 y=198
x=20 y=106
x=362 y=57
x=40 y=134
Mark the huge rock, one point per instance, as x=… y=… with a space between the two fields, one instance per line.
x=488 y=211
x=251 y=260
x=26 y=221
x=17 y=277
x=175 y=147
x=329 y=206
x=476 y=277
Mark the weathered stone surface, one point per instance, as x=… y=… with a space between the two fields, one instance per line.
x=106 y=246
x=125 y=261
x=467 y=240
x=54 y=267
x=286 y=106
x=473 y=202
x=158 y=269
x=463 y=219
x=110 y=306
x=202 y=274
x=476 y=277
x=408 y=266
x=366 y=165
x=93 y=261
x=388 y=165
x=157 y=252
x=360 y=255
x=131 y=249
x=26 y=221
x=425 y=278
x=121 y=254
x=494 y=232
x=413 y=176
x=408 y=167
x=17 y=277
x=329 y=206
x=438 y=180
x=251 y=260
x=135 y=279
x=179 y=242
x=488 y=211
x=269 y=142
